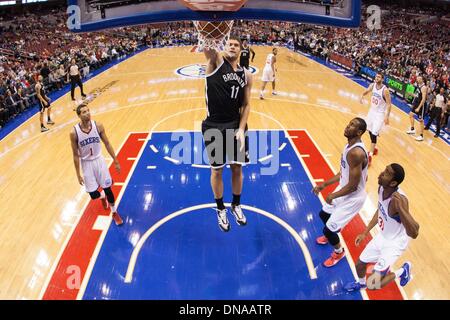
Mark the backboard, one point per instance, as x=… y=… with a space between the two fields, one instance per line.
x=91 y=15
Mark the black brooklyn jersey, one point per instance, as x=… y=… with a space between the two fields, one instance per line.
x=245 y=57
x=418 y=95
x=225 y=93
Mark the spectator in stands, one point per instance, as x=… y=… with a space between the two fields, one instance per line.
x=45 y=72
x=4 y=117
x=23 y=97
x=12 y=104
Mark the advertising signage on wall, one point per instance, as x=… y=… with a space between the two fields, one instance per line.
x=399 y=87
x=342 y=61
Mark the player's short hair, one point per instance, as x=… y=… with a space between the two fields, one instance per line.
x=362 y=125
x=235 y=37
x=380 y=73
x=80 y=107
x=399 y=173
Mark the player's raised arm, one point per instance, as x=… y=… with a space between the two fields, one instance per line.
x=401 y=206
x=213 y=59
x=355 y=158
x=369 y=89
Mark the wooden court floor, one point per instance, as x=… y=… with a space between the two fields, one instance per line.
x=41 y=199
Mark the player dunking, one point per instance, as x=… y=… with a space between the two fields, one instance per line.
x=396 y=226
x=86 y=140
x=348 y=198
x=245 y=55
x=269 y=72
x=380 y=110
x=44 y=103
x=228 y=88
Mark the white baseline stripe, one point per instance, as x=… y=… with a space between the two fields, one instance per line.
x=202 y=166
x=266 y=158
x=172 y=160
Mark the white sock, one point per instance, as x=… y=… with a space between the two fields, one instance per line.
x=113 y=208
x=102 y=194
x=362 y=281
x=399 y=272
x=261 y=93
x=339 y=250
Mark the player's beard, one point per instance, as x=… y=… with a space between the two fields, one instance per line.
x=232 y=57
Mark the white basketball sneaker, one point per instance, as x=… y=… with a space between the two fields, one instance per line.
x=411 y=131
x=239 y=215
x=224 y=224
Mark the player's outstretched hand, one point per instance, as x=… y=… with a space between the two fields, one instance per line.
x=317 y=189
x=81 y=180
x=117 y=165
x=359 y=239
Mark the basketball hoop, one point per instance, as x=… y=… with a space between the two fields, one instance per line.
x=213 y=34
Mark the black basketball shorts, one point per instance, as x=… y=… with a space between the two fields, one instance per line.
x=42 y=107
x=221 y=144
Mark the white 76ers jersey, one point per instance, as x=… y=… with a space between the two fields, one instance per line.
x=269 y=60
x=89 y=143
x=391 y=228
x=377 y=102
x=345 y=169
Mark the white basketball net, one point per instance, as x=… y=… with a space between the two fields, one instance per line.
x=213 y=35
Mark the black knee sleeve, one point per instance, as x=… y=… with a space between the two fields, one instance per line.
x=94 y=195
x=332 y=237
x=324 y=216
x=109 y=195
x=373 y=137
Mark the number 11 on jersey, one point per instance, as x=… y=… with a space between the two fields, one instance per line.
x=234 y=92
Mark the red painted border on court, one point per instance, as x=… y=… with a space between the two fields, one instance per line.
x=82 y=243
x=320 y=169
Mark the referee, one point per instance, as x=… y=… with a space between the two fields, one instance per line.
x=75 y=79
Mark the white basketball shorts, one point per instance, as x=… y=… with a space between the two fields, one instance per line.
x=268 y=75
x=375 y=122
x=383 y=252
x=95 y=174
x=343 y=209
